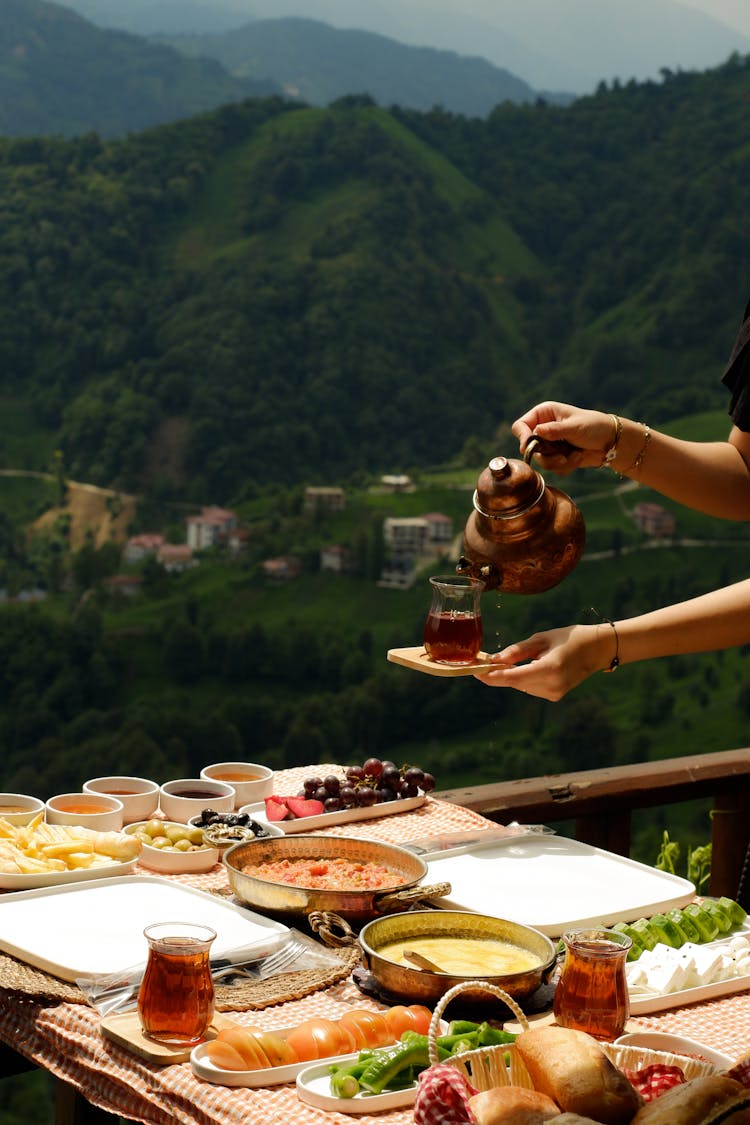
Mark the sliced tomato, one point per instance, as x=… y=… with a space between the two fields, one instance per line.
x=276 y=1048
x=226 y=1056
x=401 y=1018
x=242 y=1040
x=371 y=1025
x=317 y=1039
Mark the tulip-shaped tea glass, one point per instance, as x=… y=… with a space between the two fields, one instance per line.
x=176 y=997
x=592 y=993
x=453 y=629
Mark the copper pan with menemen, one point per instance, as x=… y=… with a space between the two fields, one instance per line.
x=354 y=878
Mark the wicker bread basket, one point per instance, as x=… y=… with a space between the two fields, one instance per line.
x=484 y=1067
x=487 y=1067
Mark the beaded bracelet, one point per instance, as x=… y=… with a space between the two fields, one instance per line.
x=638 y=463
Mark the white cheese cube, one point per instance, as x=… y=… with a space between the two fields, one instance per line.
x=666 y=977
x=708 y=963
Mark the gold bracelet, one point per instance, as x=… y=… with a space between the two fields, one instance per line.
x=611 y=453
x=638 y=463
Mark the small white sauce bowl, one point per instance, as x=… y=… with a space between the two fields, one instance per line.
x=188 y=796
x=170 y=861
x=18 y=808
x=140 y=797
x=674 y=1045
x=251 y=782
x=98 y=811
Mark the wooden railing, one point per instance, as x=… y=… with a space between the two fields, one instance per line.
x=601 y=803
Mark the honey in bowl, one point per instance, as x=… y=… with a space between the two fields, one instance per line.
x=464 y=956
x=82 y=809
x=236 y=775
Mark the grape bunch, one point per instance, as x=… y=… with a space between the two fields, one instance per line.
x=372 y=783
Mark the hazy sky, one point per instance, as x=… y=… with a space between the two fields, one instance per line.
x=735 y=13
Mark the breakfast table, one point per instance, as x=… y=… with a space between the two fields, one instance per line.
x=59 y=1031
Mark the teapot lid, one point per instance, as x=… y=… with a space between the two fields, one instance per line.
x=507 y=489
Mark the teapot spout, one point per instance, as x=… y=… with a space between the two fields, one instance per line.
x=486 y=572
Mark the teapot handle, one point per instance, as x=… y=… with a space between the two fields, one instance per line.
x=547 y=448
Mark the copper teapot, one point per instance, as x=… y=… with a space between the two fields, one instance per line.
x=523 y=536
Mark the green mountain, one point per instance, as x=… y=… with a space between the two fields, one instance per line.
x=318 y=63
x=272 y=292
x=60 y=75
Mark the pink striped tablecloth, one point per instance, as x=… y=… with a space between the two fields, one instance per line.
x=66 y=1039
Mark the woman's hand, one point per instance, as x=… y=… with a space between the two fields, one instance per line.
x=550 y=664
x=590 y=432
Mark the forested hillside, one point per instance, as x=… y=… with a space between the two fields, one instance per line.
x=61 y=76
x=310 y=60
x=287 y=291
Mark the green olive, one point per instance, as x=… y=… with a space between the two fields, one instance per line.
x=154 y=827
x=183 y=845
x=195 y=835
x=176 y=833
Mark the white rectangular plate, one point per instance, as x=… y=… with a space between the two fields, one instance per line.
x=10 y=882
x=344 y=816
x=271 y=1076
x=202 y=1067
x=641 y=1004
x=660 y=1002
x=314 y=1088
x=554 y=884
x=97 y=928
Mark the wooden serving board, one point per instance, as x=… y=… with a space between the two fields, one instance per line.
x=124 y=1028
x=418 y=659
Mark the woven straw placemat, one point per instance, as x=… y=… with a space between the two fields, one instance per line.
x=245 y=994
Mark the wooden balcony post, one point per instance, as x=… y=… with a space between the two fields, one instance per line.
x=730 y=839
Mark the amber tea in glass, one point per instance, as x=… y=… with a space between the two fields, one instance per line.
x=592 y=993
x=176 y=997
x=453 y=629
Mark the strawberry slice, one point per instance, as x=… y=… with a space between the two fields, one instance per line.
x=276 y=808
x=303 y=806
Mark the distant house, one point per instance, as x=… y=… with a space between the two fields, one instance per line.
x=439 y=528
x=126 y=585
x=238 y=540
x=405 y=535
x=139 y=546
x=210 y=527
x=397 y=483
x=398 y=573
x=654 y=520
x=281 y=569
x=335 y=559
x=332 y=499
x=175 y=557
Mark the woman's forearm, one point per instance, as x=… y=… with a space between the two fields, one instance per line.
x=717 y=620
x=709 y=477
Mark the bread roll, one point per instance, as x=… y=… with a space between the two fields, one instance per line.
x=573 y=1119
x=512 y=1105
x=711 y=1100
x=572 y=1068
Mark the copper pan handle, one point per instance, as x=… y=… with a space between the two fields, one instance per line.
x=411 y=896
x=331 y=928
